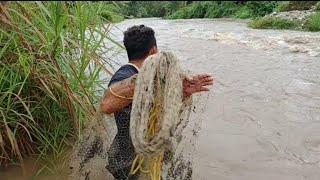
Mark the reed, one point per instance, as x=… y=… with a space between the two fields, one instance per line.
x=51 y=57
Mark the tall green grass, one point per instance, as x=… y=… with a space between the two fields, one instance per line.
x=272 y=23
x=318 y=6
x=313 y=22
x=295 y=5
x=50 y=62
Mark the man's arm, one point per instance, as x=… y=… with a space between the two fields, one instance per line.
x=112 y=103
x=125 y=88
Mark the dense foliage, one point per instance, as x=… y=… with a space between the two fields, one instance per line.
x=142 y=9
x=234 y=9
x=273 y=23
x=198 y=9
x=313 y=23
x=218 y=9
x=295 y=5
x=50 y=62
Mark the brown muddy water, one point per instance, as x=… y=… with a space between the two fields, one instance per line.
x=36 y=170
x=262 y=117
x=262 y=120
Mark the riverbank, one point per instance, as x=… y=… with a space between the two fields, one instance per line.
x=295 y=15
x=265 y=15
x=306 y=20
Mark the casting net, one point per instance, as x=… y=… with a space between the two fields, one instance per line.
x=163 y=128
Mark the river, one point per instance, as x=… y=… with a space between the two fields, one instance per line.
x=262 y=119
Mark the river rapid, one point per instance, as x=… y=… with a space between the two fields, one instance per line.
x=262 y=118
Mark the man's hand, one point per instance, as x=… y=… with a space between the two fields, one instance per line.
x=196 y=84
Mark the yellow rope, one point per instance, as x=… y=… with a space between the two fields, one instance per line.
x=155 y=164
x=154 y=169
x=119 y=96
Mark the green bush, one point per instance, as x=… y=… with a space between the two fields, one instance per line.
x=261 y=8
x=111 y=12
x=295 y=5
x=154 y=8
x=214 y=9
x=150 y=8
x=183 y=13
x=313 y=23
x=282 y=6
x=195 y=10
x=318 y=6
x=134 y=8
x=112 y=17
x=198 y=10
x=172 y=7
x=272 y=23
x=221 y=9
x=218 y=9
x=243 y=13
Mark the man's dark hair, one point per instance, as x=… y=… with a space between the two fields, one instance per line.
x=138 y=41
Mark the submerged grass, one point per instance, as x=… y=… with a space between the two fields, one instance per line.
x=312 y=23
x=50 y=61
x=272 y=23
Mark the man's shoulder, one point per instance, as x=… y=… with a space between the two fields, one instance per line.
x=125 y=71
x=122 y=73
x=127 y=68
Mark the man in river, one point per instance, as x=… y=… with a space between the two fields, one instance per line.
x=140 y=42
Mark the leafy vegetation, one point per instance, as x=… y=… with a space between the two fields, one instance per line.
x=295 y=5
x=142 y=9
x=51 y=57
x=221 y=9
x=255 y=10
x=313 y=23
x=111 y=12
x=318 y=6
x=261 y=8
x=282 y=6
x=197 y=9
x=243 y=13
x=272 y=23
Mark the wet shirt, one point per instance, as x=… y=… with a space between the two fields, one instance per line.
x=121 y=152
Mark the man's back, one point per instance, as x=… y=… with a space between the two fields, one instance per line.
x=121 y=152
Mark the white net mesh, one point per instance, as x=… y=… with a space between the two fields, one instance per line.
x=158 y=86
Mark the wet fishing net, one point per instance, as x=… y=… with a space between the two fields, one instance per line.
x=163 y=128
x=90 y=156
